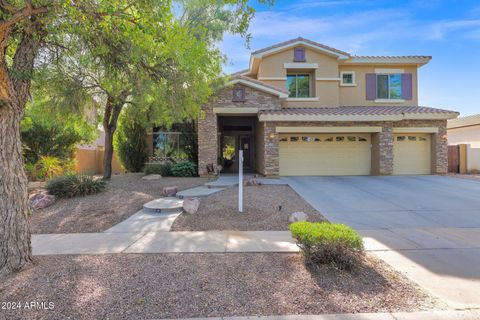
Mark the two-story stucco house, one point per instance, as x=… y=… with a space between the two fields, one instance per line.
x=303 y=108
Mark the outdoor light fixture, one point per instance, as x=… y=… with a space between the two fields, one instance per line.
x=271 y=135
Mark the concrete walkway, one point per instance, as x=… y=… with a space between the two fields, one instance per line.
x=424 y=315
x=427 y=227
x=163 y=242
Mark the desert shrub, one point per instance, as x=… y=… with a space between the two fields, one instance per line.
x=49 y=133
x=47 y=168
x=130 y=143
x=72 y=185
x=163 y=169
x=184 y=169
x=328 y=243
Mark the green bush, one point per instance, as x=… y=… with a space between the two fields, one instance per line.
x=47 y=168
x=328 y=243
x=163 y=169
x=73 y=185
x=130 y=143
x=184 y=169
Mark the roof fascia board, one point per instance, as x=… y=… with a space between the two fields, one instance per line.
x=287 y=46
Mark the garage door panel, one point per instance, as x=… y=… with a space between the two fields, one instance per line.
x=327 y=154
x=412 y=153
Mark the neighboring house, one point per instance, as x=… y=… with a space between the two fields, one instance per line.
x=465 y=131
x=303 y=108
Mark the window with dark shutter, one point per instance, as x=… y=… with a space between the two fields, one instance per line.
x=238 y=94
x=299 y=55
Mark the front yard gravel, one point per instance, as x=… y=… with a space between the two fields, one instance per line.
x=125 y=195
x=134 y=286
x=261 y=210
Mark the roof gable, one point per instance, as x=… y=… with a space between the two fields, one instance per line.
x=303 y=42
x=282 y=93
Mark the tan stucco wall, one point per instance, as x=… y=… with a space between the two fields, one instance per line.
x=90 y=161
x=356 y=96
x=272 y=65
x=464 y=135
x=329 y=92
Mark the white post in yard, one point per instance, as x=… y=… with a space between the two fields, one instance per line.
x=240 y=180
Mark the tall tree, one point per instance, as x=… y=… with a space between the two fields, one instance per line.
x=114 y=38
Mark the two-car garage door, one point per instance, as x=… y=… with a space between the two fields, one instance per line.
x=350 y=154
x=325 y=154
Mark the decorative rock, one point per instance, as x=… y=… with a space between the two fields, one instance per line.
x=40 y=200
x=191 y=205
x=251 y=182
x=152 y=177
x=170 y=191
x=298 y=216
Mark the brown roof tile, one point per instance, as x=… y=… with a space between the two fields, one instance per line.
x=313 y=43
x=358 y=110
x=239 y=76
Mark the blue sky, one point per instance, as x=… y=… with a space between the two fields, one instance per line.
x=447 y=30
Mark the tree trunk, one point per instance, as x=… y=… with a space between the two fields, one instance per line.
x=110 y=119
x=15 y=245
x=108 y=155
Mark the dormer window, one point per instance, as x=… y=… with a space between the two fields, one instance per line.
x=299 y=54
x=238 y=94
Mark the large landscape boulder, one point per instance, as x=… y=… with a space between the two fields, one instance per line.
x=298 y=216
x=170 y=191
x=40 y=200
x=190 y=205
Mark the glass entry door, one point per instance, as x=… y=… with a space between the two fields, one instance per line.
x=231 y=143
x=229 y=153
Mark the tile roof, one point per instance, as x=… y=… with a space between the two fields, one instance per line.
x=260 y=83
x=464 y=121
x=313 y=43
x=358 y=110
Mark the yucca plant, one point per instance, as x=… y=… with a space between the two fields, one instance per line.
x=72 y=185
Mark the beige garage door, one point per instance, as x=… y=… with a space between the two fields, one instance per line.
x=324 y=154
x=412 y=153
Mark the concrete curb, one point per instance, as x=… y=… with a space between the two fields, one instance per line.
x=423 y=315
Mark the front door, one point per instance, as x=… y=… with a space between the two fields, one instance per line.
x=231 y=143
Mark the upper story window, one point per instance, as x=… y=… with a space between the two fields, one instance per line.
x=298 y=85
x=389 y=86
x=238 y=94
x=299 y=54
x=347 y=78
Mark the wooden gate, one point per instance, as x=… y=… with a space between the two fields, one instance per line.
x=454 y=159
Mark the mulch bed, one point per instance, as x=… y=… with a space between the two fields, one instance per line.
x=134 y=286
x=125 y=195
x=261 y=210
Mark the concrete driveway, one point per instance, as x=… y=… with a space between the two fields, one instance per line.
x=427 y=227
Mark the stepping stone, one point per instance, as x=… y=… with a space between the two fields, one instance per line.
x=164 y=205
x=198 y=192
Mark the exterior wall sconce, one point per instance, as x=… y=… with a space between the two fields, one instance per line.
x=271 y=135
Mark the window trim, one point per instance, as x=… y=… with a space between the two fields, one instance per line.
x=388 y=99
x=296 y=85
x=354 y=81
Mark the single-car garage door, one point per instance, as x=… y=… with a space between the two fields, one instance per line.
x=412 y=153
x=324 y=154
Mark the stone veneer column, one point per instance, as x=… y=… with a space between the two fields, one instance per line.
x=441 y=149
x=385 y=141
x=271 y=150
x=207 y=140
